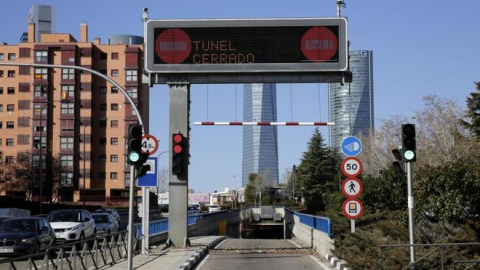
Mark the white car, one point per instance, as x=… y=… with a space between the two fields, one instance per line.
x=214 y=208
x=72 y=225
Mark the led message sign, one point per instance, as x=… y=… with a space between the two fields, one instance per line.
x=247 y=46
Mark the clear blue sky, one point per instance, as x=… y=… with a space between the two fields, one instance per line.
x=420 y=48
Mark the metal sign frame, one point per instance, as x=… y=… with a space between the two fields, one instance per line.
x=249 y=72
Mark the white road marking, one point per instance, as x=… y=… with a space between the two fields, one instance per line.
x=294 y=243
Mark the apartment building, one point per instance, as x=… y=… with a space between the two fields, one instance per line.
x=69 y=122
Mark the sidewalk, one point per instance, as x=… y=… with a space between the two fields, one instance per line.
x=161 y=258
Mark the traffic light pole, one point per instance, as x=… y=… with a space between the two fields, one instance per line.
x=178 y=185
x=411 y=222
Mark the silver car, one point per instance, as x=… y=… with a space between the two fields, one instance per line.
x=105 y=223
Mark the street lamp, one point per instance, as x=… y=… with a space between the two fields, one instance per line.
x=85 y=158
x=41 y=157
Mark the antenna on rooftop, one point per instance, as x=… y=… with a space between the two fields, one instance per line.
x=340 y=4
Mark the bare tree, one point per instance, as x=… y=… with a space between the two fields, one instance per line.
x=440 y=136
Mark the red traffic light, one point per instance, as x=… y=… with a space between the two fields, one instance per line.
x=177 y=138
x=177 y=149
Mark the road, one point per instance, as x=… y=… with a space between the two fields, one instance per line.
x=268 y=254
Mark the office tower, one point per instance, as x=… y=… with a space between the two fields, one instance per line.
x=43 y=17
x=351 y=105
x=260 y=143
x=70 y=123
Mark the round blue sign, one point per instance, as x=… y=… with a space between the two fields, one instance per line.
x=351 y=146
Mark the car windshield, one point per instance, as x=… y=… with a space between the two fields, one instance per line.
x=100 y=218
x=73 y=216
x=19 y=226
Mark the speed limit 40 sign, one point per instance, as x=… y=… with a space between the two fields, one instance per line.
x=351 y=167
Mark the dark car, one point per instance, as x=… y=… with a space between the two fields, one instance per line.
x=105 y=223
x=111 y=211
x=193 y=210
x=25 y=235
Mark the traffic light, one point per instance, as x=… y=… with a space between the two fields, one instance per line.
x=409 y=145
x=179 y=154
x=134 y=145
x=398 y=165
x=141 y=167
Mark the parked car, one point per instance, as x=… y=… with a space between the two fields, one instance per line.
x=25 y=235
x=193 y=210
x=214 y=208
x=164 y=207
x=111 y=211
x=72 y=225
x=198 y=207
x=105 y=223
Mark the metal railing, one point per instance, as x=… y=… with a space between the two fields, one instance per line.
x=430 y=256
x=81 y=255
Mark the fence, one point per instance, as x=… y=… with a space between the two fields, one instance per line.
x=430 y=256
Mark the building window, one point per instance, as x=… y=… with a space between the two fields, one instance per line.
x=23 y=121
x=102 y=141
x=1 y=56
x=68 y=74
x=66 y=161
x=23 y=139
x=114 y=72
x=41 y=57
x=132 y=91
x=102 y=158
x=8 y=160
x=10 y=125
x=113 y=176
x=39 y=128
x=1 y=73
x=113 y=140
x=102 y=176
x=66 y=179
x=37 y=144
x=114 y=124
x=131 y=75
x=40 y=91
x=10 y=107
x=68 y=108
x=1 y=88
x=113 y=158
x=1 y=124
x=114 y=106
x=9 y=142
x=11 y=73
x=103 y=90
x=103 y=107
x=68 y=91
x=12 y=56
x=67 y=125
x=11 y=90
x=1 y=143
x=127 y=179
x=66 y=142
x=114 y=90
x=40 y=108
x=24 y=104
x=1 y=107
x=41 y=73
x=115 y=56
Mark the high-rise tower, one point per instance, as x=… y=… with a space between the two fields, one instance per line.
x=351 y=105
x=260 y=143
x=43 y=17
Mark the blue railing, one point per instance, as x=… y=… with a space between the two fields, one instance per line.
x=161 y=226
x=322 y=224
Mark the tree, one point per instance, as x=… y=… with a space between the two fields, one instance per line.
x=251 y=188
x=317 y=172
x=472 y=123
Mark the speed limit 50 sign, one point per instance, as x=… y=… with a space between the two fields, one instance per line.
x=351 y=167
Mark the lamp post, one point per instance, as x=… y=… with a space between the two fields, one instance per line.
x=41 y=157
x=85 y=158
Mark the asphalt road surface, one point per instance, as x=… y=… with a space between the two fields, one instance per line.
x=261 y=254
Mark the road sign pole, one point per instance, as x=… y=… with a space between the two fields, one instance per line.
x=145 y=218
x=411 y=222
x=352 y=225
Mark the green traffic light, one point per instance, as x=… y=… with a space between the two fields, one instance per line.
x=133 y=157
x=409 y=155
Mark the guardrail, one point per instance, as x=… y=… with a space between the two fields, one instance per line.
x=81 y=255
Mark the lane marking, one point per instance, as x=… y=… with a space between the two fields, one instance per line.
x=203 y=261
x=291 y=241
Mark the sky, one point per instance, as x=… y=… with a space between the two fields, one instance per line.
x=419 y=48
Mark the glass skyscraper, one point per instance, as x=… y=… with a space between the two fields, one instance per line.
x=43 y=17
x=260 y=143
x=351 y=105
